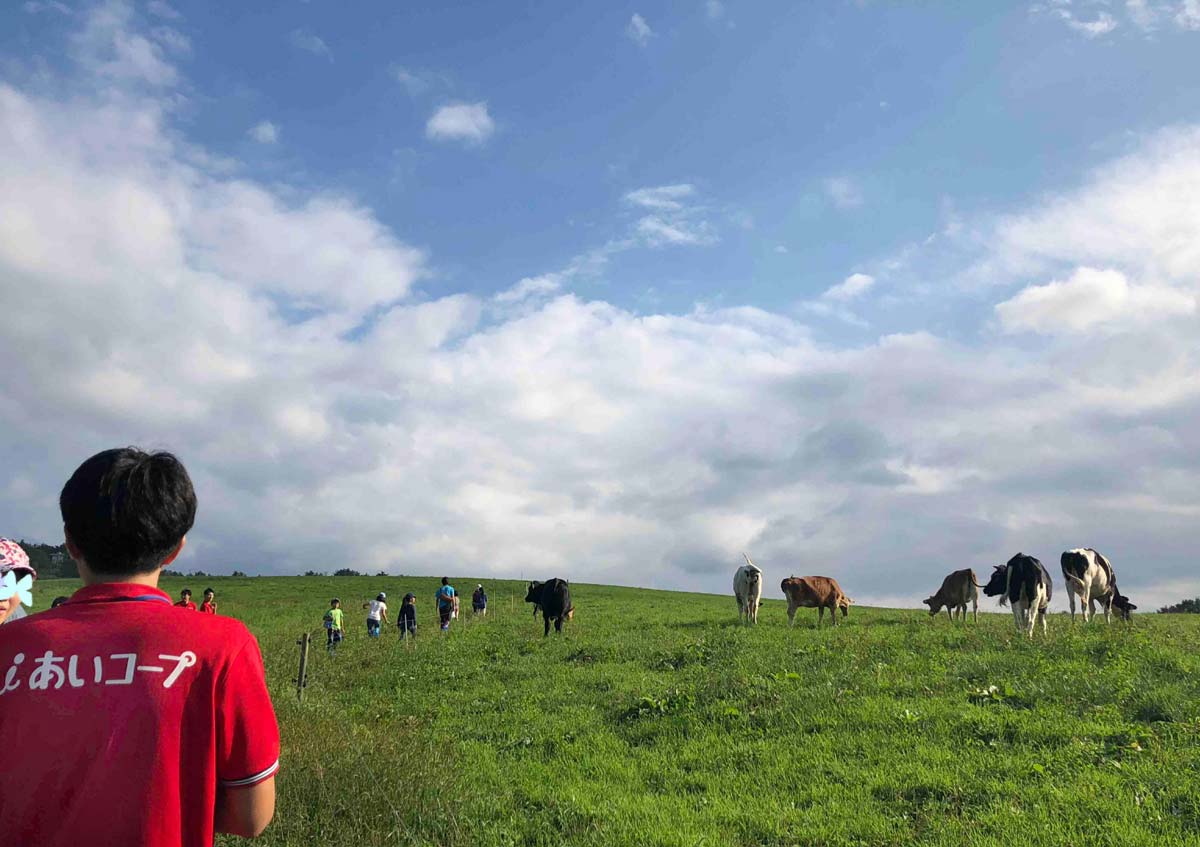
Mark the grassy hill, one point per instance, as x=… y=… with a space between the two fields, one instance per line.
x=657 y=720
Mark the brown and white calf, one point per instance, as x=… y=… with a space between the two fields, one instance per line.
x=957 y=590
x=819 y=592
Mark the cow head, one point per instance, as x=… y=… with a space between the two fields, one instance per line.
x=534 y=595
x=844 y=603
x=934 y=604
x=1122 y=605
x=998 y=583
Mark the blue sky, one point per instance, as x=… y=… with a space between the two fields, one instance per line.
x=638 y=260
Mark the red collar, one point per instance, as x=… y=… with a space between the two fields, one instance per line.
x=107 y=592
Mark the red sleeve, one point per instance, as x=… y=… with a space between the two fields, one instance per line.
x=247 y=733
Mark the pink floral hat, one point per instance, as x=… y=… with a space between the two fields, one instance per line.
x=13 y=558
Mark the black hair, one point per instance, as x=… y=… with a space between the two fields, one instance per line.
x=58 y=601
x=127 y=510
x=445 y=580
x=209 y=591
x=186 y=591
x=334 y=601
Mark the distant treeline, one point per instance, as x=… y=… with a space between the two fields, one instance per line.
x=1191 y=607
x=50 y=562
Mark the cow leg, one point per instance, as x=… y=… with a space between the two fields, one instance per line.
x=1042 y=615
x=833 y=613
x=546 y=620
x=1107 y=606
x=950 y=613
x=558 y=622
x=1017 y=619
x=821 y=616
x=791 y=614
x=1032 y=614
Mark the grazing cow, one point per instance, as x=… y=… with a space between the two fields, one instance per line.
x=1025 y=583
x=536 y=608
x=957 y=590
x=1089 y=575
x=747 y=588
x=815 y=592
x=1122 y=605
x=554 y=598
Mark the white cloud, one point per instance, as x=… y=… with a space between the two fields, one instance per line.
x=779 y=248
x=658 y=231
x=715 y=9
x=310 y=43
x=1102 y=24
x=850 y=288
x=112 y=50
x=843 y=192
x=529 y=287
x=467 y=122
x=676 y=218
x=638 y=30
x=1090 y=298
x=662 y=197
x=1136 y=214
x=265 y=132
x=331 y=417
x=1187 y=14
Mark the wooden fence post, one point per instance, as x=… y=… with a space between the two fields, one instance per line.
x=302 y=677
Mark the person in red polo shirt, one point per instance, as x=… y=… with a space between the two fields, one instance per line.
x=138 y=725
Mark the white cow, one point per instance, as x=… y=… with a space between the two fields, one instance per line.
x=747 y=588
x=1090 y=577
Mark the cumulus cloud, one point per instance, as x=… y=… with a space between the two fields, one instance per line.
x=1090 y=298
x=466 y=122
x=1102 y=24
x=308 y=42
x=332 y=416
x=265 y=132
x=638 y=30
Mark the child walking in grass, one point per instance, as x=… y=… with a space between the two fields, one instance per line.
x=407 y=619
x=376 y=614
x=334 y=629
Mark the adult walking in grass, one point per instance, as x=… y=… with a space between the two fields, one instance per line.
x=445 y=602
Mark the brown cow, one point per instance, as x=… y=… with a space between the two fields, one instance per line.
x=815 y=592
x=957 y=590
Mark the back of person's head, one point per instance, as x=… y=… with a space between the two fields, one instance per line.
x=445 y=580
x=127 y=511
x=58 y=601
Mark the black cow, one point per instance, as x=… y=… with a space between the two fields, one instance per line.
x=1025 y=583
x=554 y=599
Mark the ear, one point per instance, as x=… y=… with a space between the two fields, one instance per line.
x=74 y=552
x=175 y=552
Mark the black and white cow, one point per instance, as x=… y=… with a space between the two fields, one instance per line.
x=1090 y=576
x=554 y=599
x=1025 y=583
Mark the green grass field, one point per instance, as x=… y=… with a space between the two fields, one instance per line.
x=657 y=720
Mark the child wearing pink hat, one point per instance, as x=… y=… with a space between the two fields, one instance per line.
x=14 y=567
